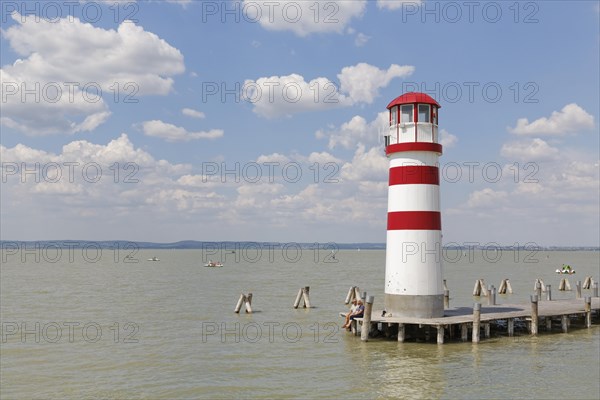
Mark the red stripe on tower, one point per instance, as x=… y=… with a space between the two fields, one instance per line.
x=417 y=220
x=414 y=175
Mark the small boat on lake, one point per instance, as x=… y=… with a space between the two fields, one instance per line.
x=213 y=264
x=153 y=259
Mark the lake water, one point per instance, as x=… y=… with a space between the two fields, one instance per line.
x=109 y=329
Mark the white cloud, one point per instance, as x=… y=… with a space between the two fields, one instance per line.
x=356 y=131
x=529 y=150
x=193 y=113
x=363 y=81
x=286 y=95
x=447 y=139
x=572 y=118
x=71 y=64
x=371 y=165
x=172 y=133
x=273 y=158
x=303 y=17
x=396 y=4
x=361 y=39
x=487 y=198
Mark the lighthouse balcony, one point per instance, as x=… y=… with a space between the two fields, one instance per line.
x=412 y=132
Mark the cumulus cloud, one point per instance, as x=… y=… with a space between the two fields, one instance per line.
x=173 y=133
x=304 y=17
x=189 y=112
x=447 y=139
x=361 y=39
x=70 y=65
x=529 y=150
x=286 y=95
x=571 y=119
x=363 y=81
x=356 y=131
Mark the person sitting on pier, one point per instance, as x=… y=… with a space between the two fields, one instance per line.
x=357 y=313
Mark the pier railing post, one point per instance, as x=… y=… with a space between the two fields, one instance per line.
x=446 y=299
x=476 y=321
x=588 y=311
x=534 y=315
x=366 y=326
x=549 y=292
x=578 y=290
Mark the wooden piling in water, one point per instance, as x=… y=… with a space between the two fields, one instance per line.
x=564 y=323
x=298 y=298
x=248 y=302
x=511 y=326
x=366 y=325
x=401 y=332
x=476 y=322
x=305 y=296
x=578 y=290
x=446 y=299
x=538 y=289
x=549 y=292
x=564 y=284
x=588 y=311
x=549 y=324
x=595 y=289
x=238 y=306
x=357 y=293
x=440 y=334
x=348 y=296
x=587 y=282
x=464 y=332
x=534 y=315
x=479 y=289
x=445 y=286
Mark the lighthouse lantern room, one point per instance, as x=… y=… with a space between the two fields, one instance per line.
x=413 y=269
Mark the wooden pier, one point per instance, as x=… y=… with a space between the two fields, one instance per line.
x=461 y=320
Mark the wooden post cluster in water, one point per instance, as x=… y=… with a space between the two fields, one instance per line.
x=303 y=295
x=245 y=299
x=353 y=293
x=479 y=289
x=564 y=285
x=505 y=287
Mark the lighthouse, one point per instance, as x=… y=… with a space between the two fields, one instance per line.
x=413 y=263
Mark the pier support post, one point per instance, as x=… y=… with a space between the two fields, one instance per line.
x=588 y=311
x=401 y=332
x=549 y=324
x=446 y=299
x=549 y=292
x=578 y=290
x=511 y=326
x=366 y=325
x=486 y=329
x=564 y=321
x=534 y=315
x=476 y=321
x=595 y=289
x=440 y=334
x=464 y=332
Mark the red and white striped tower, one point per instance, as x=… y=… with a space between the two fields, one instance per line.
x=413 y=264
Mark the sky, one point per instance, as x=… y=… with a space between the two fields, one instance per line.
x=261 y=120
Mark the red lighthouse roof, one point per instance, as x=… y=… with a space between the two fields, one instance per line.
x=413 y=97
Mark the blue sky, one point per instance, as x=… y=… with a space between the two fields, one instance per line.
x=518 y=83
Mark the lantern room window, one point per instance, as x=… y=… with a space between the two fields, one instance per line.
x=424 y=113
x=394 y=116
x=406 y=112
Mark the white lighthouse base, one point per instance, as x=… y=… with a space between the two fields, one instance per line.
x=417 y=306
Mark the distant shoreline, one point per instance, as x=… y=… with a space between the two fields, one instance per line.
x=233 y=245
